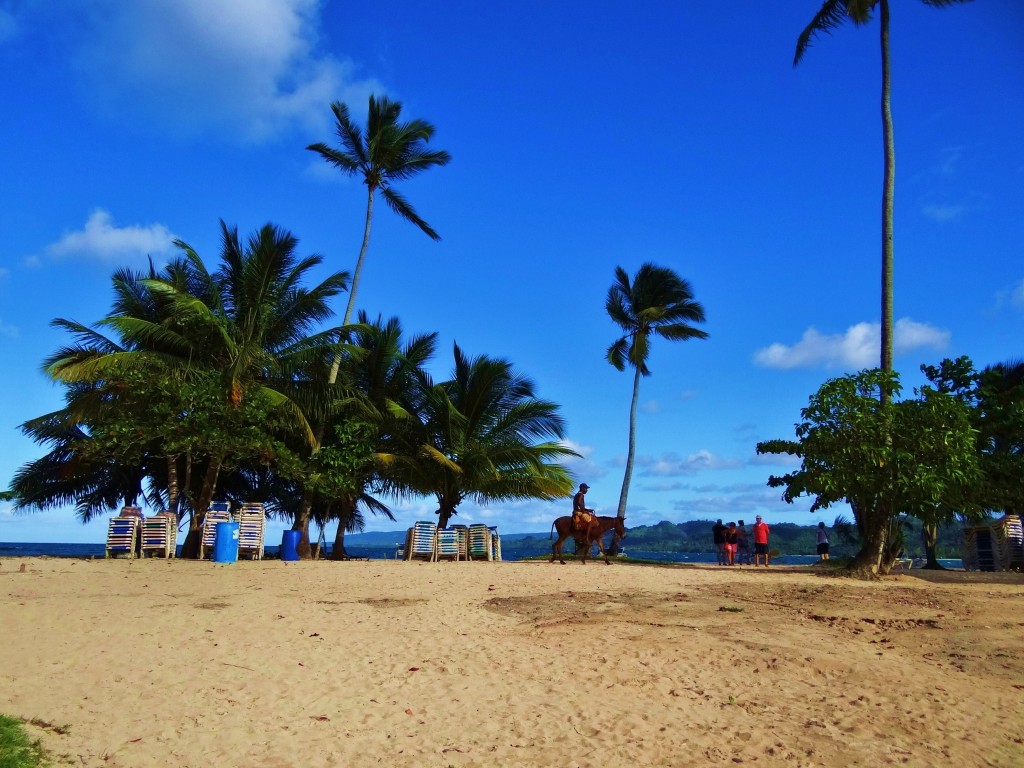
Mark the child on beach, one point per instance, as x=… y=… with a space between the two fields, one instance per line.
x=822 y=541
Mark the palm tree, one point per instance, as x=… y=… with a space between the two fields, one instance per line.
x=389 y=151
x=482 y=435
x=387 y=372
x=657 y=302
x=248 y=327
x=830 y=16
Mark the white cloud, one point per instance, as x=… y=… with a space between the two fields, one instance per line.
x=583 y=468
x=857 y=348
x=249 y=69
x=4 y=273
x=945 y=212
x=651 y=406
x=671 y=465
x=100 y=239
x=1017 y=295
x=10 y=331
x=735 y=502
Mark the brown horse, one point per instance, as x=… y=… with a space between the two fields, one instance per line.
x=586 y=539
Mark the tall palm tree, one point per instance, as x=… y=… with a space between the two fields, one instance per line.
x=389 y=151
x=830 y=16
x=657 y=302
x=482 y=435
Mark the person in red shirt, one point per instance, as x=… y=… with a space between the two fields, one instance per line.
x=760 y=531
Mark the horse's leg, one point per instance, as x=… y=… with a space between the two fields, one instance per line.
x=556 y=549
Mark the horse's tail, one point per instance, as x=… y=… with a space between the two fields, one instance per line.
x=552 y=535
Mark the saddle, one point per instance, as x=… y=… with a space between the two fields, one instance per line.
x=581 y=521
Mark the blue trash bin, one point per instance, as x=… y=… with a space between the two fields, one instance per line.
x=225 y=544
x=290 y=545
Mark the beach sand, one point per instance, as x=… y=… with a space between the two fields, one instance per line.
x=133 y=664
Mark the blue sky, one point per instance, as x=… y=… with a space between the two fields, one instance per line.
x=584 y=136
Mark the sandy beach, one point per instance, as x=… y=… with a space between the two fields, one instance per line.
x=132 y=664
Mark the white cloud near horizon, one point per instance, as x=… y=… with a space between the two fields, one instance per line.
x=857 y=348
x=101 y=240
x=671 y=465
x=250 y=70
x=584 y=469
x=1017 y=295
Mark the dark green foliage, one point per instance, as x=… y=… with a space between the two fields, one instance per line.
x=915 y=456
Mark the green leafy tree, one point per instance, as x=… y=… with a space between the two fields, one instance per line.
x=995 y=397
x=831 y=15
x=390 y=150
x=657 y=302
x=882 y=457
x=482 y=434
x=248 y=328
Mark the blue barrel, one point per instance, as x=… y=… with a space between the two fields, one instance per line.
x=290 y=545
x=225 y=545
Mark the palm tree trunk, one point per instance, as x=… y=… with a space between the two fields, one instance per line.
x=355 y=278
x=628 y=475
x=190 y=549
x=173 y=488
x=930 y=537
x=888 y=192
x=346 y=508
x=301 y=524
x=444 y=516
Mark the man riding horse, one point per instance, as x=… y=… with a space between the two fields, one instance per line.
x=582 y=518
x=586 y=528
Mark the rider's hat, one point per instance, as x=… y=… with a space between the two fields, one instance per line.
x=584 y=485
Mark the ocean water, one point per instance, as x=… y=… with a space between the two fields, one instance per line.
x=509 y=551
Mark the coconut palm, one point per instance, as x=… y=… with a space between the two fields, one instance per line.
x=248 y=326
x=389 y=151
x=831 y=15
x=656 y=302
x=386 y=373
x=483 y=435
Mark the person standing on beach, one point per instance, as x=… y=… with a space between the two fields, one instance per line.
x=730 y=544
x=718 y=536
x=581 y=516
x=742 y=544
x=822 y=541
x=761 y=531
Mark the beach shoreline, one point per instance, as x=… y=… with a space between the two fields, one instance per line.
x=185 y=663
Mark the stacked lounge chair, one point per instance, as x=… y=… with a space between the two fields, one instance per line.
x=219 y=512
x=122 y=536
x=994 y=546
x=495 y=543
x=160 y=535
x=480 y=542
x=420 y=541
x=251 y=529
x=462 y=531
x=447 y=547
